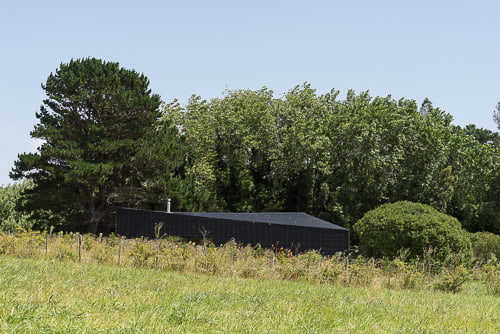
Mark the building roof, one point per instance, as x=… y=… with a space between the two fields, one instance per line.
x=281 y=218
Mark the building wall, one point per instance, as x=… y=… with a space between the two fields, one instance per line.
x=141 y=223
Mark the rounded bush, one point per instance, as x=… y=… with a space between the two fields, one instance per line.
x=416 y=227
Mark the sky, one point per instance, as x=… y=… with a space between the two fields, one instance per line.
x=447 y=51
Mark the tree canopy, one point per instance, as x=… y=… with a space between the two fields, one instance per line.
x=337 y=158
x=10 y=218
x=101 y=144
x=107 y=142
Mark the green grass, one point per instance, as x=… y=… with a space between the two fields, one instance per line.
x=43 y=296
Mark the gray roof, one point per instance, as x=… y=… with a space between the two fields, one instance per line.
x=281 y=218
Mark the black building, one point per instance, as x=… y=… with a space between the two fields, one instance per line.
x=293 y=230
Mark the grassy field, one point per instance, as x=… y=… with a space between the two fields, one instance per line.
x=46 y=296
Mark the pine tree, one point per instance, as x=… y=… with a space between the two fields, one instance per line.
x=101 y=137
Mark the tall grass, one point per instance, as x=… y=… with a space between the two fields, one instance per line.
x=51 y=296
x=255 y=262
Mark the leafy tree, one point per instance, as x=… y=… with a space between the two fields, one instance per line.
x=10 y=218
x=476 y=167
x=100 y=130
x=336 y=158
x=417 y=227
x=229 y=148
x=301 y=164
x=366 y=136
x=483 y=136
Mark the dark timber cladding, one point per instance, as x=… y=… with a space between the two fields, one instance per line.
x=294 y=230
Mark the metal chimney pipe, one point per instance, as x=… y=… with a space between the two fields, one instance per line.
x=168 y=205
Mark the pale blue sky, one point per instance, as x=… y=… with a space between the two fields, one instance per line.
x=445 y=50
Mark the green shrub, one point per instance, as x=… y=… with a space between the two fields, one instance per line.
x=384 y=231
x=141 y=253
x=452 y=280
x=484 y=245
x=491 y=277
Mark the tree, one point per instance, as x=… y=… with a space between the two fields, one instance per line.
x=229 y=149
x=483 y=136
x=99 y=126
x=334 y=158
x=10 y=218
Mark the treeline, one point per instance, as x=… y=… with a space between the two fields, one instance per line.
x=108 y=141
x=337 y=158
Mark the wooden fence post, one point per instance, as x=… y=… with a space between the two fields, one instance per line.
x=347 y=269
x=120 y=246
x=46 y=244
x=80 y=242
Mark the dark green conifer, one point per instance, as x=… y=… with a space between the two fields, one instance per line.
x=100 y=130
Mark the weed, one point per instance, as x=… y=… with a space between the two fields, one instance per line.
x=45 y=296
x=232 y=259
x=453 y=279
x=141 y=253
x=491 y=277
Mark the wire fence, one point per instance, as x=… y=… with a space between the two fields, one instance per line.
x=231 y=259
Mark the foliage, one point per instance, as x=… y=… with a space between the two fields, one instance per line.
x=452 y=280
x=106 y=143
x=102 y=146
x=337 y=158
x=483 y=136
x=384 y=231
x=491 y=277
x=10 y=217
x=475 y=201
x=231 y=259
x=485 y=246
